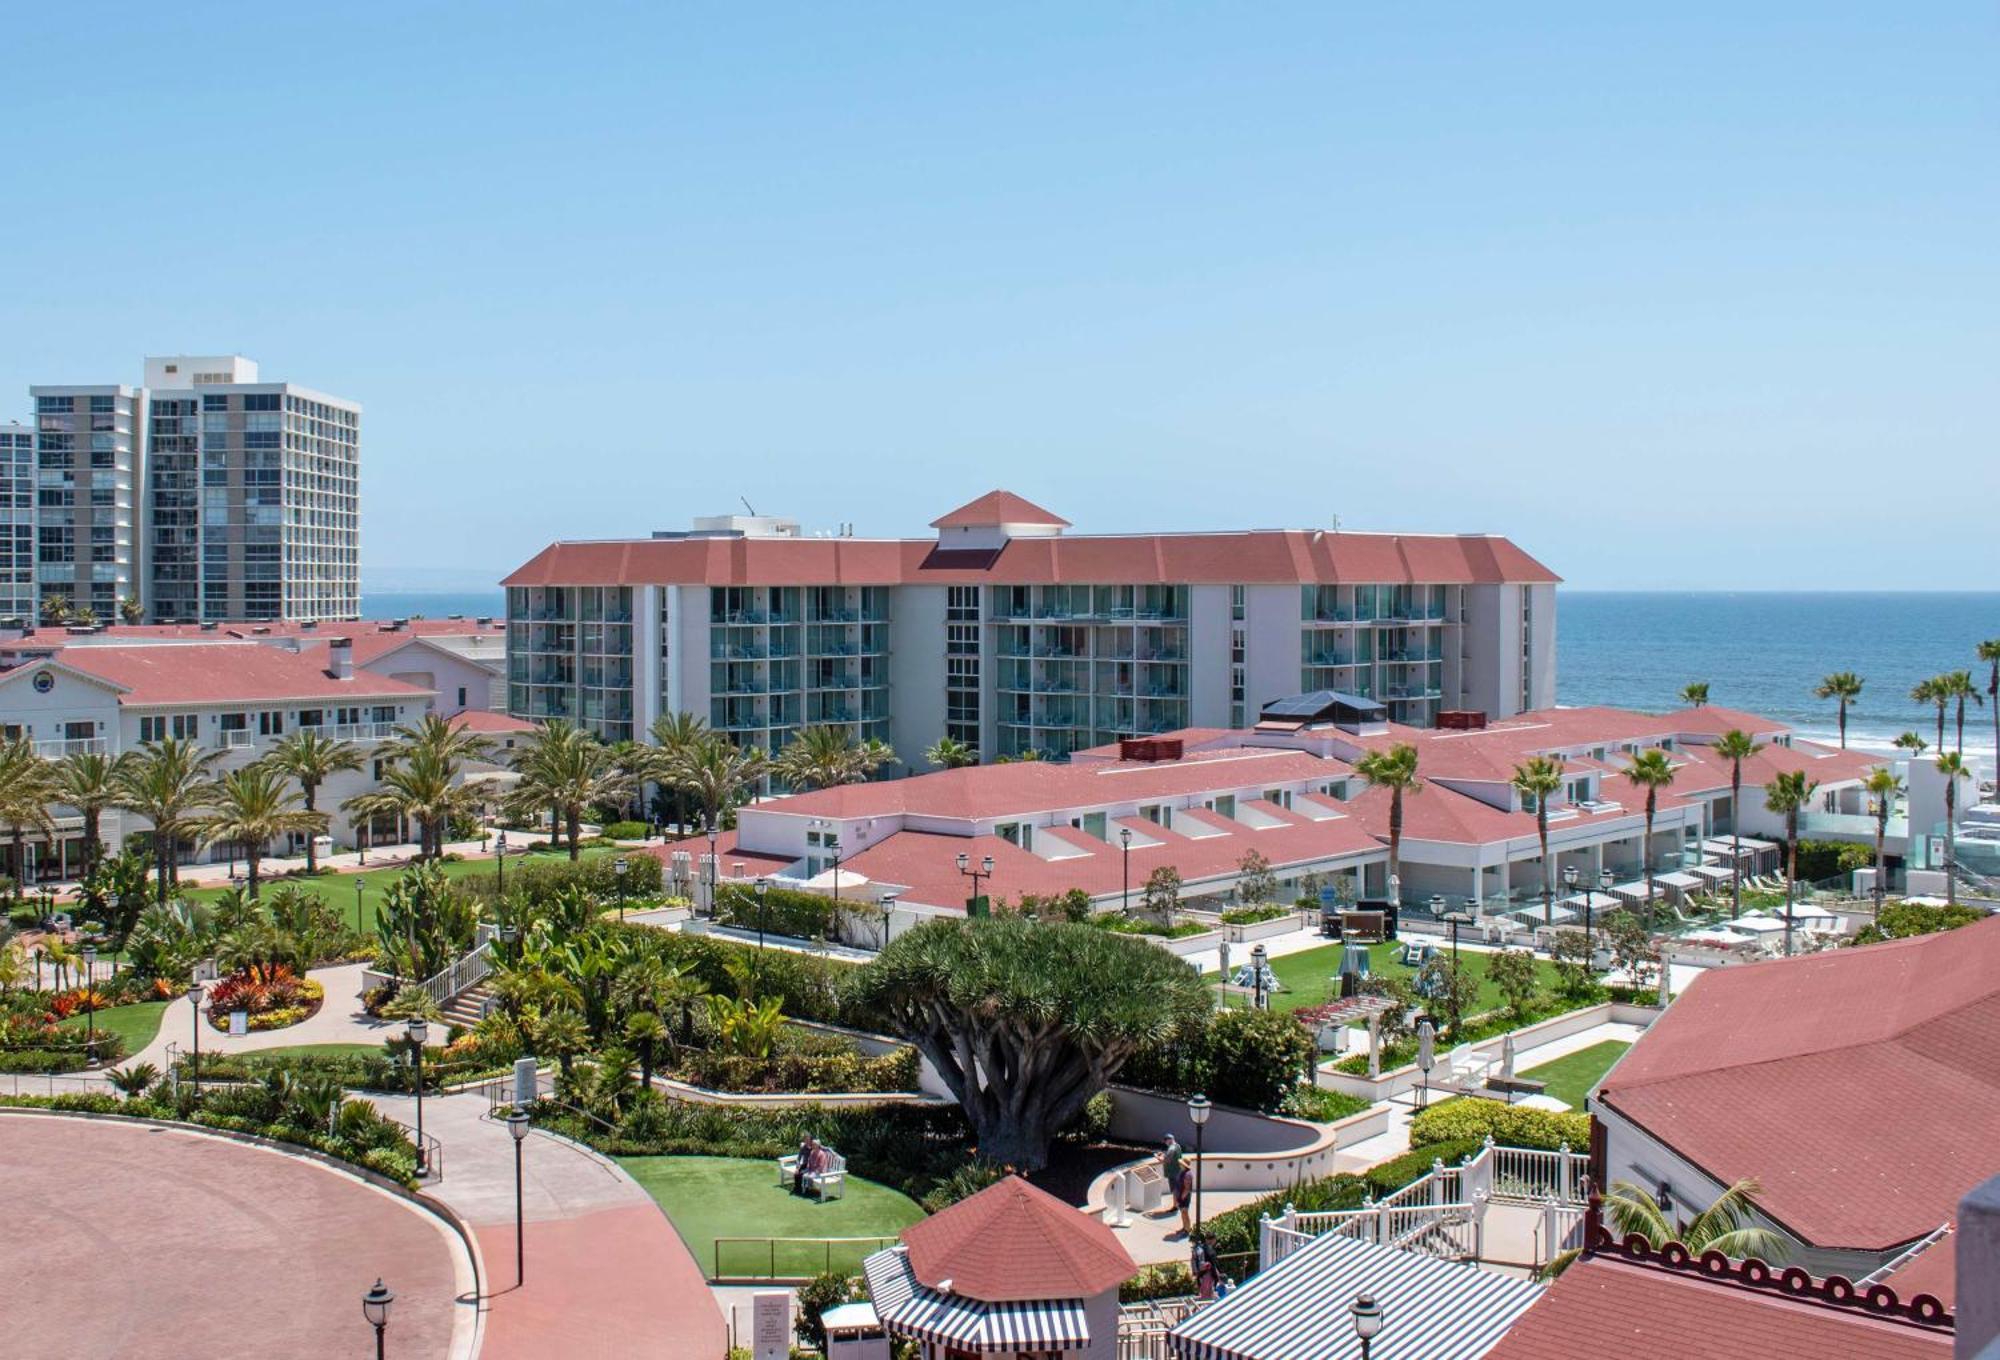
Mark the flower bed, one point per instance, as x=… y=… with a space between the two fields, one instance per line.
x=1135 y=925
x=1250 y=916
x=275 y=998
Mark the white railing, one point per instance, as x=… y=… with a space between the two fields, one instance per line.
x=1143 y=1327
x=70 y=746
x=464 y=973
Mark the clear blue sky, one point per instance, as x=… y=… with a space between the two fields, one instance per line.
x=1699 y=296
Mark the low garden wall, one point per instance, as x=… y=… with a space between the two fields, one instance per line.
x=784 y=1100
x=875 y=1045
x=1242 y=1150
x=1526 y=1039
x=1263 y=930
x=1186 y=944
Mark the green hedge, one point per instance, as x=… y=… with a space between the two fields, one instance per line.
x=894 y=1071
x=627 y=831
x=783 y=911
x=1519 y=1126
x=540 y=877
x=810 y=986
x=1250 y=1058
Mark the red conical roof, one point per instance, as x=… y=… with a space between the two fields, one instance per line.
x=1011 y=1242
x=997 y=507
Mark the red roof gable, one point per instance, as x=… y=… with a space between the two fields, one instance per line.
x=997 y=507
x=1860 y=1086
x=224 y=672
x=1012 y=1242
x=1601 y=1307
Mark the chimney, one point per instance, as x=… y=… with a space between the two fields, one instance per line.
x=340 y=658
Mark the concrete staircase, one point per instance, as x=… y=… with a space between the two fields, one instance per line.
x=467 y=1008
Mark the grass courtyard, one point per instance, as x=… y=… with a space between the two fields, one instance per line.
x=1312 y=976
x=136 y=1023
x=1570 y=1078
x=733 y=1197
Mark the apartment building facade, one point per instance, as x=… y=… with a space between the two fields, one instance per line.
x=17 y=521
x=205 y=494
x=1012 y=635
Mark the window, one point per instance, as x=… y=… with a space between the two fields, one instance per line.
x=461 y=696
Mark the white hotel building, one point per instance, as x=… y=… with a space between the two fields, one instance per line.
x=1010 y=634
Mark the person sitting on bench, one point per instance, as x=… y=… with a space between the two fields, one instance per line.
x=812 y=1158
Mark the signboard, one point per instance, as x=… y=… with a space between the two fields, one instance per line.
x=978 y=906
x=771 y=1326
x=239 y=1024
x=1328 y=898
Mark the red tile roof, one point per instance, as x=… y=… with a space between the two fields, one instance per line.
x=995 y=508
x=485 y=720
x=1710 y=720
x=1012 y=1242
x=1860 y=1086
x=224 y=672
x=1281 y=556
x=1601 y=1307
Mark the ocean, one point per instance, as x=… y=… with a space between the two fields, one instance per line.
x=1760 y=651
x=1766 y=652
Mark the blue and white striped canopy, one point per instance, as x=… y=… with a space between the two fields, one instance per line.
x=906 y=1307
x=1298 y=1309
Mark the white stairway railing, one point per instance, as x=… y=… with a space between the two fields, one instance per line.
x=462 y=974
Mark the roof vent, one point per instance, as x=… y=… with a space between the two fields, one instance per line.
x=484 y=621
x=309 y=625
x=209 y=626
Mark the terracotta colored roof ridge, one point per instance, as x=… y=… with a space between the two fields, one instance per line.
x=1013 y=1242
x=997 y=507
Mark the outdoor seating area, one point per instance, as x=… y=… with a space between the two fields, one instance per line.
x=824 y=1175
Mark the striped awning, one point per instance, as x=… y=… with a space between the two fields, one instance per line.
x=1298 y=1309
x=908 y=1308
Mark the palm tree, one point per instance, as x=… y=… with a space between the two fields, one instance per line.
x=567 y=769
x=1989 y=652
x=1695 y=693
x=1956 y=687
x=1736 y=746
x=674 y=734
x=1787 y=795
x=716 y=773
x=1395 y=770
x=643 y=1030
x=83 y=616
x=438 y=737
x=1931 y=691
x=822 y=756
x=55 y=609
x=1651 y=770
x=950 y=753
x=253 y=807
x=88 y=782
x=1844 y=687
x=312 y=759
x=1883 y=789
x=1952 y=766
x=422 y=787
x=1913 y=742
x=27 y=787
x=1723 y=1226
x=132 y=610
x=168 y=784
x=1536 y=779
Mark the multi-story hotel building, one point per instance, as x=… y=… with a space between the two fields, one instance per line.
x=17 y=522
x=1011 y=635
x=205 y=494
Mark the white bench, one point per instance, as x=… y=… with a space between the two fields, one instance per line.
x=1465 y=1069
x=830 y=1182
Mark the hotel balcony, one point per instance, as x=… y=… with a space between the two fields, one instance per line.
x=71 y=746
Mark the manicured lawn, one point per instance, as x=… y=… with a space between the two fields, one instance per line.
x=136 y=1023
x=1570 y=1079
x=338 y=889
x=1313 y=975
x=314 y=1051
x=711 y=1197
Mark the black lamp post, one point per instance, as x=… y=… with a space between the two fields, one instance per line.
x=194 y=1004
x=1367 y=1315
x=357 y=905
x=375 y=1307
x=500 y=861
x=763 y=891
x=1125 y=866
x=714 y=866
x=1258 y=956
x=419 y=1030
x=1455 y=919
x=1199 y=1108
x=984 y=870
x=517 y=1124
x=90 y=1005
x=618 y=872
x=833 y=844
x=1605 y=878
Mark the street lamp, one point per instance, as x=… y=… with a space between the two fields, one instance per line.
x=194 y=1003
x=90 y=1005
x=500 y=861
x=517 y=1124
x=375 y=1307
x=1455 y=919
x=833 y=844
x=618 y=872
x=763 y=893
x=419 y=1030
x=1199 y=1108
x=1125 y=890
x=357 y=905
x=1367 y=1315
x=985 y=870
x=888 y=916
x=1257 y=956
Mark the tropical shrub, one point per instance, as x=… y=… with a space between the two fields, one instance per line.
x=779 y=911
x=1250 y=1058
x=1250 y=916
x=1169 y=1281
x=1901 y=920
x=895 y=1071
x=1140 y=925
x=626 y=831
x=539 y=877
x=1457 y=1121
x=815 y=1296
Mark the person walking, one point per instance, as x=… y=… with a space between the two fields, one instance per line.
x=1180 y=1178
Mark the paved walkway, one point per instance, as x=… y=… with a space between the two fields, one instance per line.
x=128 y=1240
x=607 y=1275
